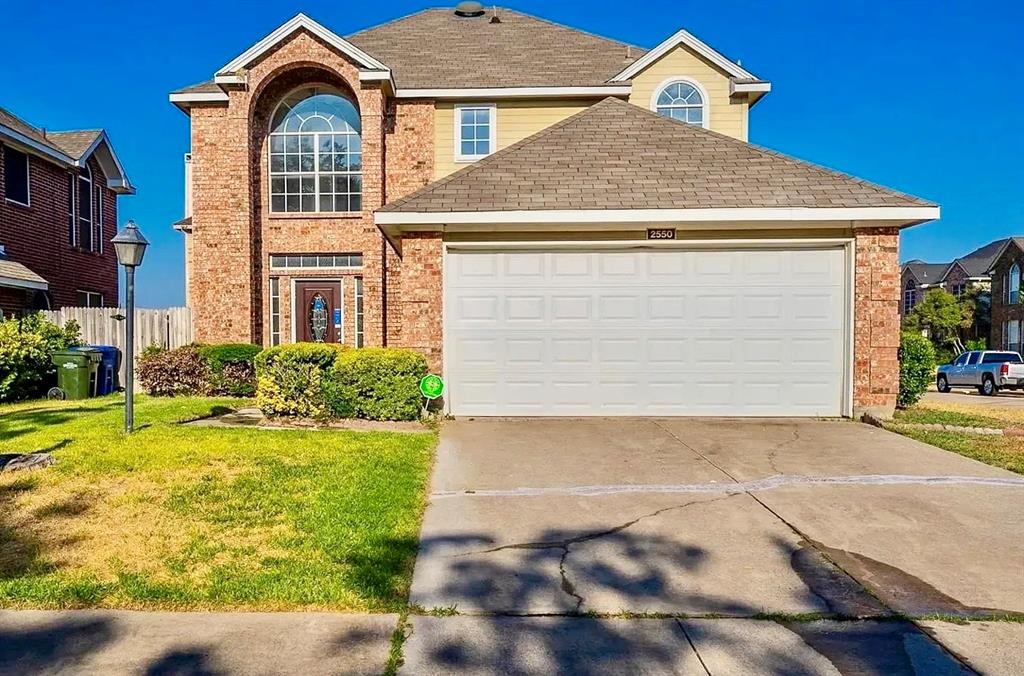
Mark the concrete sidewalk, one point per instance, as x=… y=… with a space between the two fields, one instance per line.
x=126 y=642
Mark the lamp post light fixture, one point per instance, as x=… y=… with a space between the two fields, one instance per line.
x=130 y=246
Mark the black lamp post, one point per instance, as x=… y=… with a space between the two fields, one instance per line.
x=130 y=246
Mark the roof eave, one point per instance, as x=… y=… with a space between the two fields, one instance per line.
x=904 y=216
x=683 y=37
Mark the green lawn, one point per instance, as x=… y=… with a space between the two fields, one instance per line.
x=190 y=517
x=999 y=451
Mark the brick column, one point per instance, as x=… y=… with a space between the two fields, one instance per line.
x=422 y=295
x=876 y=333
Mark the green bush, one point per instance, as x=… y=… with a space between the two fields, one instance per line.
x=26 y=348
x=944 y=355
x=976 y=344
x=290 y=378
x=377 y=383
x=169 y=373
x=232 y=368
x=917 y=368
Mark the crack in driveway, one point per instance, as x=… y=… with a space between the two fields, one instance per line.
x=566 y=544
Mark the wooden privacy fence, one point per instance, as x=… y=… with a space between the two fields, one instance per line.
x=166 y=327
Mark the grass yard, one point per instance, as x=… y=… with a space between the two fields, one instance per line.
x=999 y=451
x=191 y=517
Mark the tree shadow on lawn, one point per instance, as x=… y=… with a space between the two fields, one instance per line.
x=553 y=573
x=22 y=551
x=27 y=421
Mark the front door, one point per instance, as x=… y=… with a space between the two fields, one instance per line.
x=318 y=312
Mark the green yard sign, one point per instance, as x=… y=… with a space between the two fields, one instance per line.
x=431 y=386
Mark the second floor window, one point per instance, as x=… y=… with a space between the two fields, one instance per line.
x=316 y=160
x=474 y=132
x=85 y=211
x=16 y=179
x=1013 y=285
x=681 y=101
x=909 y=297
x=89 y=299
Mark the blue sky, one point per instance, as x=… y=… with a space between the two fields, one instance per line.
x=913 y=95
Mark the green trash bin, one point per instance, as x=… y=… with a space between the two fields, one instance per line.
x=76 y=373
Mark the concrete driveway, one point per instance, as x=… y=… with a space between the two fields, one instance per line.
x=710 y=522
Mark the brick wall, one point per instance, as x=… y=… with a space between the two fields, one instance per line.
x=1003 y=312
x=422 y=296
x=37 y=235
x=876 y=332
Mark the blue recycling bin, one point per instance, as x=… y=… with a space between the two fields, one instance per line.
x=110 y=363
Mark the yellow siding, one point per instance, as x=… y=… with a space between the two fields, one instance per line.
x=726 y=116
x=515 y=119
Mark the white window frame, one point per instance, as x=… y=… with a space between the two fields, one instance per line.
x=492 y=136
x=90 y=294
x=316 y=173
x=97 y=221
x=86 y=175
x=275 y=311
x=705 y=99
x=1013 y=336
x=28 y=179
x=73 y=211
x=1013 y=285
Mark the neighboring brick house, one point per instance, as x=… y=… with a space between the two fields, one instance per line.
x=1007 y=304
x=58 y=212
x=957 y=277
x=564 y=224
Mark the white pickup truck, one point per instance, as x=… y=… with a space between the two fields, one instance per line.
x=987 y=370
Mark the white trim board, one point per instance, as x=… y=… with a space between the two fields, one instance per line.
x=298 y=22
x=14 y=282
x=198 y=97
x=512 y=92
x=682 y=37
x=901 y=214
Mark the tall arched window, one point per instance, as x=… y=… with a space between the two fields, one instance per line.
x=1013 y=285
x=683 y=101
x=316 y=153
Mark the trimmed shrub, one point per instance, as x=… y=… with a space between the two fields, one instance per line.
x=26 y=348
x=232 y=368
x=290 y=378
x=377 y=383
x=917 y=368
x=170 y=373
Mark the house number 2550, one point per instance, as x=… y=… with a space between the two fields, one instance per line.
x=661 y=233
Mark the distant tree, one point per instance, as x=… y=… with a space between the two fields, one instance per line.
x=942 y=317
x=980 y=301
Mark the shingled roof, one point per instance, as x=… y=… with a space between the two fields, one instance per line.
x=927 y=273
x=437 y=49
x=615 y=155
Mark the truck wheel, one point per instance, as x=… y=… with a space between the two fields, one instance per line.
x=942 y=384
x=988 y=387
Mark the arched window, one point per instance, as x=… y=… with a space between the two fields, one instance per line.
x=909 y=296
x=316 y=153
x=1013 y=285
x=683 y=101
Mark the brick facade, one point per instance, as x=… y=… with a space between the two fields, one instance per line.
x=1002 y=310
x=37 y=237
x=876 y=330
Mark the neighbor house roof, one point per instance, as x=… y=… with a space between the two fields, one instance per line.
x=618 y=156
x=437 y=49
x=71 y=148
x=927 y=273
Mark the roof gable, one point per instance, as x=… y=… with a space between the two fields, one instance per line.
x=618 y=156
x=69 y=148
x=687 y=39
x=228 y=73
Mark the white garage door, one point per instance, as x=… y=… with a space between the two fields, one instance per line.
x=645 y=332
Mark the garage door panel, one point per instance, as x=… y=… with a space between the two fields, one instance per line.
x=645 y=333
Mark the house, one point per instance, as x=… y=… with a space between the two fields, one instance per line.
x=563 y=223
x=956 y=277
x=58 y=211
x=1007 y=310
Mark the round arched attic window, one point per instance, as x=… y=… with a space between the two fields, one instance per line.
x=683 y=101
